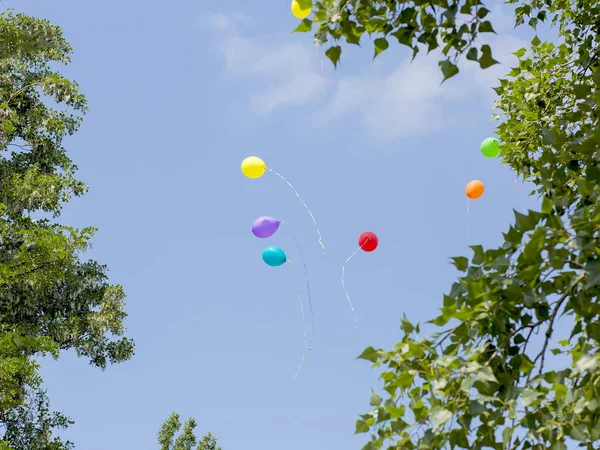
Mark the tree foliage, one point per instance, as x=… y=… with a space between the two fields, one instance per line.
x=31 y=425
x=496 y=374
x=187 y=440
x=450 y=26
x=51 y=299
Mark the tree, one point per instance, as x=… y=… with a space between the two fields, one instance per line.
x=30 y=426
x=50 y=298
x=187 y=440
x=496 y=375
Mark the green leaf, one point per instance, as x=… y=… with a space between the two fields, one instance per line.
x=440 y=321
x=482 y=12
x=466 y=384
x=478 y=254
x=352 y=32
x=370 y=354
x=394 y=411
x=458 y=437
x=472 y=54
x=334 y=54
x=304 y=26
x=579 y=433
x=381 y=44
x=486 y=60
x=593 y=173
x=461 y=263
x=486 y=27
x=507 y=436
x=440 y=416
x=581 y=91
x=526 y=365
x=375 y=399
x=361 y=427
x=485 y=374
x=448 y=69
x=547 y=205
x=476 y=408
x=549 y=136
x=592 y=405
x=528 y=396
x=406 y=326
x=405 y=36
x=520 y=53
x=560 y=390
x=525 y=223
x=586 y=363
x=404 y=379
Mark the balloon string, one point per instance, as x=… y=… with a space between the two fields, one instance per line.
x=468 y=223
x=302 y=313
x=321 y=57
x=312 y=316
x=304 y=204
x=344 y=285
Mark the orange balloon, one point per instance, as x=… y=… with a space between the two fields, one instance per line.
x=474 y=189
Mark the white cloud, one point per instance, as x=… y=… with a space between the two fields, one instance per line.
x=297 y=90
x=402 y=103
x=224 y=22
x=289 y=71
x=407 y=101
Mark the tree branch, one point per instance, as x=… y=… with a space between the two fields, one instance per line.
x=22 y=147
x=27 y=272
x=550 y=329
x=448 y=333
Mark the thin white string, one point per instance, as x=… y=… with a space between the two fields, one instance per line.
x=344 y=286
x=302 y=313
x=321 y=58
x=304 y=204
x=312 y=316
x=468 y=223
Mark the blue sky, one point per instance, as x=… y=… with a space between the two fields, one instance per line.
x=180 y=93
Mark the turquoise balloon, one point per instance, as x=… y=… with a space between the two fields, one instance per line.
x=273 y=256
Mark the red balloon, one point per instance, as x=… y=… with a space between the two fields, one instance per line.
x=368 y=241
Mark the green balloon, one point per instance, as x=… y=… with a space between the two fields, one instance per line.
x=490 y=147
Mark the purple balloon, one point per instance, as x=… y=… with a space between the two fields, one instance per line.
x=265 y=227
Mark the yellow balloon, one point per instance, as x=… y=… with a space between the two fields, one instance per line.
x=253 y=167
x=301 y=8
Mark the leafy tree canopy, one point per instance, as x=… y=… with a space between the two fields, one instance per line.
x=186 y=440
x=451 y=26
x=50 y=298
